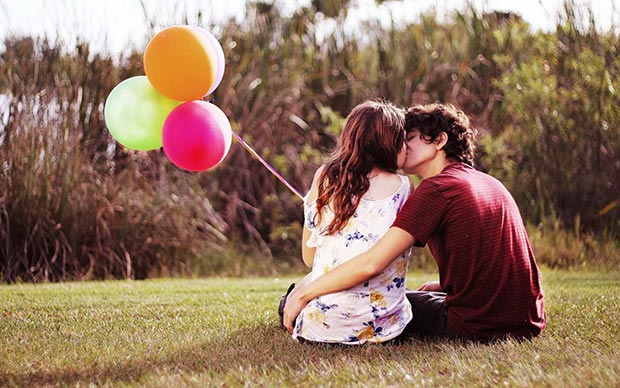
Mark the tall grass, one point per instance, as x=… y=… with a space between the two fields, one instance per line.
x=565 y=128
x=72 y=205
x=76 y=205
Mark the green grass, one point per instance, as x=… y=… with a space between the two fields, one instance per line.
x=224 y=332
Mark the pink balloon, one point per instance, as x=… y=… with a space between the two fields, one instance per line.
x=219 y=55
x=196 y=135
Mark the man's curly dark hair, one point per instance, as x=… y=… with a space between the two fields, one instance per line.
x=432 y=119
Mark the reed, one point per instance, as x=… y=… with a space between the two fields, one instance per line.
x=76 y=205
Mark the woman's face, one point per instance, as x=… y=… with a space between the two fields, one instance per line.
x=402 y=156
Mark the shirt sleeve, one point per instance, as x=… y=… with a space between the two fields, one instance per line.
x=423 y=213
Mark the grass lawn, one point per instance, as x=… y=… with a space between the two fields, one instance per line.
x=224 y=332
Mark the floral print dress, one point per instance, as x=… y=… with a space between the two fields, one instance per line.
x=375 y=311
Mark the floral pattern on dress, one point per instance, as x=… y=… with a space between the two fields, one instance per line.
x=375 y=311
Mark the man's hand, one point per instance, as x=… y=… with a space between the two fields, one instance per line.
x=430 y=286
x=292 y=308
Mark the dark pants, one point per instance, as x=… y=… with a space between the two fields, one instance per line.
x=430 y=316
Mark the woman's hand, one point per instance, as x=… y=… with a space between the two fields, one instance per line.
x=293 y=306
x=430 y=286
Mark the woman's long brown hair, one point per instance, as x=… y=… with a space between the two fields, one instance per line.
x=373 y=135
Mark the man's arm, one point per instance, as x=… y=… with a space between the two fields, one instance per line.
x=350 y=273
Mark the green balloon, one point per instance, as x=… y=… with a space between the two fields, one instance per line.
x=135 y=113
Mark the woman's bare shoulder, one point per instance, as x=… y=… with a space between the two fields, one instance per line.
x=385 y=186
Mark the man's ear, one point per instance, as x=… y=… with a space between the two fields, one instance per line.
x=441 y=140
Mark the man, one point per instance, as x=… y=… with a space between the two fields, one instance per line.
x=489 y=282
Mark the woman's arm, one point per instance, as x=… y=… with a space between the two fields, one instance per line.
x=307 y=253
x=350 y=273
x=430 y=286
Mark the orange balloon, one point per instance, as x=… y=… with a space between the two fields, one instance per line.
x=181 y=63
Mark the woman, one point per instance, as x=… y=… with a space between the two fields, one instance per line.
x=353 y=200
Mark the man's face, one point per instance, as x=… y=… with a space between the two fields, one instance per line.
x=419 y=153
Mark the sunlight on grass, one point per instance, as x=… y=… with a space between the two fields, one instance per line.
x=218 y=331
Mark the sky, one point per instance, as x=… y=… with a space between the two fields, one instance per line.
x=113 y=26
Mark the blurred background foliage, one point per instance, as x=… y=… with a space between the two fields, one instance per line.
x=76 y=205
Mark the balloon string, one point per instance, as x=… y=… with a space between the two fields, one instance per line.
x=267 y=165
